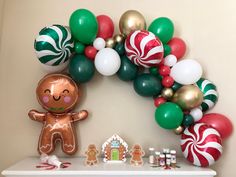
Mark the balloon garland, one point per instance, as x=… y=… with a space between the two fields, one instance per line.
x=181 y=95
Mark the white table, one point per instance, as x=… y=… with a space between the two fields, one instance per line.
x=27 y=168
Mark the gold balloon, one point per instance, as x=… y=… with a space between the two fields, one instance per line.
x=188 y=97
x=167 y=93
x=130 y=21
x=179 y=130
x=119 y=38
x=110 y=43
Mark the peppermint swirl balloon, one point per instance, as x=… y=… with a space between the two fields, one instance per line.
x=54 y=45
x=144 y=49
x=201 y=144
x=210 y=94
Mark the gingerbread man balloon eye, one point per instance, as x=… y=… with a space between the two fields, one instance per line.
x=66 y=91
x=58 y=94
x=47 y=91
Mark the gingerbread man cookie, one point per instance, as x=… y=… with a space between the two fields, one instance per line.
x=91 y=155
x=58 y=94
x=136 y=155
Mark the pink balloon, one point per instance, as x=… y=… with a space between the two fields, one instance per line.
x=220 y=122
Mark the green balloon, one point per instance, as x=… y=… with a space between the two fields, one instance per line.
x=188 y=120
x=81 y=69
x=163 y=28
x=147 y=85
x=167 y=50
x=79 y=48
x=128 y=71
x=120 y=48
x=83 y=25
x=176 y=86
x=169 y=115
x=154 y=71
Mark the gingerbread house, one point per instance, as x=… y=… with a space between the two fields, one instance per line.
x=115 y=149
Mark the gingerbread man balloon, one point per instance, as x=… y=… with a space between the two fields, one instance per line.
x=58 y=94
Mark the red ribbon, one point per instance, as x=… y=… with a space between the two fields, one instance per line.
x=47 y=166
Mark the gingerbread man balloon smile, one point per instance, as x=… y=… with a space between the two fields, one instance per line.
x=58 y=94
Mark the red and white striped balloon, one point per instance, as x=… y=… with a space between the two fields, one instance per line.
x=201 y=144
x=144 y=49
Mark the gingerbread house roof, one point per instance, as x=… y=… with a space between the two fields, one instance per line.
x=112 y=138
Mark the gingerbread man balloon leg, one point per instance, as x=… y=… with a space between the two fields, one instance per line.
x=69 y=138
x=58 y=94
x=45 y=145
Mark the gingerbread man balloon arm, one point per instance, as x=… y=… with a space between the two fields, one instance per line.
x=37 y=116
x=79 y=116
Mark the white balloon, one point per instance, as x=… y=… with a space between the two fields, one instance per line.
x=99 y=43
x=196 y=113
x=186 y=72
x=107 y=61
x=170 y=60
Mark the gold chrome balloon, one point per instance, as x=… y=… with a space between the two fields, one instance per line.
x=179 y=130
x=130 y=21
x=110 y=43
x=119 y=38
x=167 y=93
x=188 y=97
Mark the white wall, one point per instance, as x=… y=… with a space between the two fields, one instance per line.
x=208 y=28
x=1 y=17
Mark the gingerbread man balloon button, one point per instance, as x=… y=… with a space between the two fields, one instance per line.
x=58 y=94
x=137 y=154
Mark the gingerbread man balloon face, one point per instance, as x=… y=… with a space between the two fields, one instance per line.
x=58 y=94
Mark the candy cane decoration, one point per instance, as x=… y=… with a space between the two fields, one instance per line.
x=144 y=49
x=201 y=145
x=54 y=45
x=210 y=94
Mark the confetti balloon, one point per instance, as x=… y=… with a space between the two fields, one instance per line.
x=201 y=145
x=144 y=48
x=210 y=94
x=54 y=45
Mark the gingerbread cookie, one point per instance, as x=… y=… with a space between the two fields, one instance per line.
x=91 y=155
x=58 y=94
x=136 y=155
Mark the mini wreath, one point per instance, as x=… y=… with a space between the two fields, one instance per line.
x=181 y=95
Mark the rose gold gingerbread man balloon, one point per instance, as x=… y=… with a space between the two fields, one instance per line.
x=58 y=94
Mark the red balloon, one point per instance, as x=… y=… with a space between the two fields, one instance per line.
x=167 y=81
x=178 y=47
x=105 y=27
x=158 y=101
x=164 y=70
x=90 y=52
x=220 y=122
